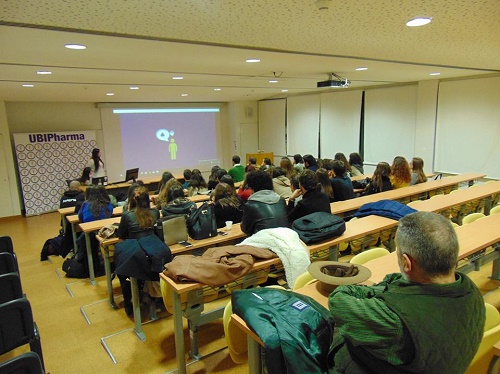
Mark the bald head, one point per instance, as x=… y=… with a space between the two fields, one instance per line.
x=75 y=186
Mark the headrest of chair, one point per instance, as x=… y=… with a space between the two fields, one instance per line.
x=331 y=274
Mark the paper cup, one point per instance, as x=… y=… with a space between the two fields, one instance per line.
x=229 y=224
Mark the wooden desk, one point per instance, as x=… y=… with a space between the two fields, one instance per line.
x=87 y=229
x=405 y=194
x=459 y=201
x=199 y=198
x=65 y=212
x=354 y=230
x=73 y=220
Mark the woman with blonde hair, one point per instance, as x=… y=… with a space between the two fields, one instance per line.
x=418 y=175
x=164 y=196
x=380 y=180
x=227 y=206
x=400 y=172
x=287 y=166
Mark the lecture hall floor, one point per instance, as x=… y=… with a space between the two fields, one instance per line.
x=70 y=344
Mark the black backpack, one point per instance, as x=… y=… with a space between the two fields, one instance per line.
x=318 y=226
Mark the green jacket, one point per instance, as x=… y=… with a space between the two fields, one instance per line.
x=407 y=327
x=237 y=172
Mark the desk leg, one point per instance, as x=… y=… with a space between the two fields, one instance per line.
x=254 y=356
x=109 y=282
x=73 y=232
x=333 y=254
x=495 y=271
x=179 y=334
x=90 y=259
x=64 y=223
x=137 y=309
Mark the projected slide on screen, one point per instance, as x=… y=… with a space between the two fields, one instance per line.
x=155 y=140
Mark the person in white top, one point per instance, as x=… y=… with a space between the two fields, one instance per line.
x=96 y=164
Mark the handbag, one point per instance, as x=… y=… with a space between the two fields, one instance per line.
x=201 y=223
x=108 y=231
x=318 y=226
x=172 y=229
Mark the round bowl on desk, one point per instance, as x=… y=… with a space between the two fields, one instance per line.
x=324 y=272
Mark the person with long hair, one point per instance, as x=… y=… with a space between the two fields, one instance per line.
x=177 y=202
x=339 y=156
x=197 y=184
x=400 y=172
x=417 y=175
x=212 y=178
x=166 y=176
x=324 y=181
x=96 y=164
x=341 y=183
x=380 y=180
x=244 y=192
x=356 y=163
x=287 y=166
x=164 y=197
x=281 y=184
x=86 y=177
x=96 y=206
x=227 y=206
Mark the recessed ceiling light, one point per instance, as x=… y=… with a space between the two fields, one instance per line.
x=284 y=90
x=418 y=21
x=28 y=85
x=361 y=68
x=75 y=46
x=184 y=94
x=44 y=72
x=252 y=60
x=273 y=81
x=134 y=87
x=110 y=94
x=178 y=77
x=436 y=73
x=217 y=89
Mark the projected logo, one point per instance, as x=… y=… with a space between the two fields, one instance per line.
x=167 y=136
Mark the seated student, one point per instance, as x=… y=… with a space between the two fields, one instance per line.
x=380 y=180
x=287 y=166
x=74 y=196
x=227 y=206
x=212 y=178
x=298 y=163
x=266 y=163
x=264 y=209
x=400 y=173
x=313 y=200
x=244 y=191
x=197 y=184
x=177 y=202
x=166 y=176
x=252 y=165
x=187 y=176
x=134 y=224
x=428 y=319
x=130 y=195
x=310 y=162
x=339 y=156
x=324 y=182
x=295 y=185
x=237 y=171
x=341 y=183
x=96 y=205
x=164 y=196
x=217 y=178
x=417 y=175
x=356 y=163
x=226 y=178
x=86 y=176
x=281 y=184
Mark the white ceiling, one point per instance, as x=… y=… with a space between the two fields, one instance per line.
x=146 y=42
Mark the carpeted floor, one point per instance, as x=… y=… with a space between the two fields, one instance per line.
x=72 y=345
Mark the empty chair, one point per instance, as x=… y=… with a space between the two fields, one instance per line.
x=17 y=327
x=472 y=217
x=303 y=280
x=7 y=246
x=10 y=287
x=7 y=263
x=26 y=363
x=491 y=335
x=495 y=209
x=368 y=255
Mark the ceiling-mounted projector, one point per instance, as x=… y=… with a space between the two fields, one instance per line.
x=334 y=83
x=338 y=82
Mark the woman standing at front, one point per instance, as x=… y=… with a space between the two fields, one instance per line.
x=96 y=164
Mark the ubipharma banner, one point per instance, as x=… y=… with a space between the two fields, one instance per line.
x=45 y=161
